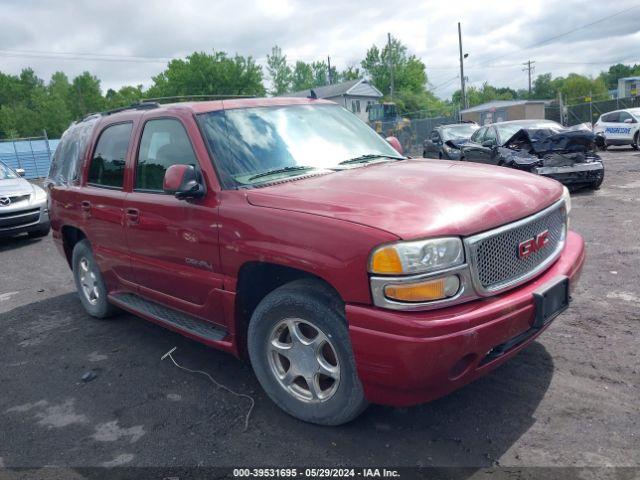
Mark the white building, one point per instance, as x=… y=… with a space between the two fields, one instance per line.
x=628 y=87
x=353 y=95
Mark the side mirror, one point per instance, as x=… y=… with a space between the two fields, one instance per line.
x=628 y=120
x=488 y=143
x=395 y=143
x=183 y=181
x=20 y=171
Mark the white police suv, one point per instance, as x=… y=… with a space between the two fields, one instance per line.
x=621 y=127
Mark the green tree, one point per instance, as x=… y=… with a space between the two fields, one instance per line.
x=125 y=96
x=350 y=73
x=85 y=95
x=209 y=74
x=279 y=71
x=302 y=77
x=576 y=88
x=611 y=76
x=409 y=73
x=486 y=93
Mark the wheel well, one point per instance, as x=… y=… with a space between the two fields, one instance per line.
x=71 y=236
x=257 y=279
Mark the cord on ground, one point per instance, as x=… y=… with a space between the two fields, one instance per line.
x=219 y=385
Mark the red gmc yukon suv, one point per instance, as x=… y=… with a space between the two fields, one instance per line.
x=288 y=231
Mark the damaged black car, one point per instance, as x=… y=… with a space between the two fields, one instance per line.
x=444 y=141
x=542 y=147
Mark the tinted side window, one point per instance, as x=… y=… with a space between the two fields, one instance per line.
x=624 y=116
x=610 y=117
x=164 y=143
x=491 y=135
x=478 y=134
x=107 y=164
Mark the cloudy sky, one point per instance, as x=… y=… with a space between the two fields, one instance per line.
x=126 y=42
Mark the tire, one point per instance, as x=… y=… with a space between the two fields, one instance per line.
x=42 y=232
x=313 y=312
x=634 y=145
x=93 y=295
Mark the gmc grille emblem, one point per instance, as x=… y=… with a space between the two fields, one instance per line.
x=533 y=245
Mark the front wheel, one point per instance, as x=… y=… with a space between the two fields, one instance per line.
x=301 y=353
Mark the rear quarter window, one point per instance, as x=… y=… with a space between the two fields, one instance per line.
x=67 y=161
x=109 y=157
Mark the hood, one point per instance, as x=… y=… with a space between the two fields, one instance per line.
x=456 y=142
x=416 y=198
x=543 y=141
x=13 y=186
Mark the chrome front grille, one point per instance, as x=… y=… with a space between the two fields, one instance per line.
x=494 y=255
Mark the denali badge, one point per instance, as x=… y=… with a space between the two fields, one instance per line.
x=533 y=245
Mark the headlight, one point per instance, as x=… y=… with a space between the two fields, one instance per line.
x=39 y=195
x=420 y=256
x=566 y=196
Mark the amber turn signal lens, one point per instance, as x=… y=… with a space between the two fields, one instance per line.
x=423 y=291
x=386 y=261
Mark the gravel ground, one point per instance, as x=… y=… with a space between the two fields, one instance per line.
x=570 y=399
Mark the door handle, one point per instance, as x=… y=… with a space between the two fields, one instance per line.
x=85 y=205
x=133 y=215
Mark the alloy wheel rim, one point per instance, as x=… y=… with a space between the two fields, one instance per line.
x=303 y=360
x=88 y=282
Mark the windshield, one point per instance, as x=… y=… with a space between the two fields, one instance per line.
x=288 y=141
x=508 y=130
x=458 y=131
x=6 y=173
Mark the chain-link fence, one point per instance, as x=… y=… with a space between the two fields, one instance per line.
x=589 y=112
x=412 y=131
x=32 y=154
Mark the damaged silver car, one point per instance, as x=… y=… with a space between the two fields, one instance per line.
x=542 y=147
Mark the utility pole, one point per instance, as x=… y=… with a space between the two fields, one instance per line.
x=529 y=68
x=463 y=96
x=329 y=63
x=390 y=62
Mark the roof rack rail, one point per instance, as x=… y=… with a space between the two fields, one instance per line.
x=186 y=98
x=142 y=105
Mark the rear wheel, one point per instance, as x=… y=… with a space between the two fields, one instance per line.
x=89 y=283
x=300 y=351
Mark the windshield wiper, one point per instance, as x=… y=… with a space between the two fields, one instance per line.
x=293 y=168
x=367 y=157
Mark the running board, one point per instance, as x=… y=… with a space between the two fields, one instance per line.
x=170 y=317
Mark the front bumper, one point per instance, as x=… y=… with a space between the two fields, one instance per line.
x=406 y=358
x=31 y=218
x=578 y=174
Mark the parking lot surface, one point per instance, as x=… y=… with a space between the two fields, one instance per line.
x=570 y=399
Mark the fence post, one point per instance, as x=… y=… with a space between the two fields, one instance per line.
x=33 y=156
x=46 y=142
x=15 y=149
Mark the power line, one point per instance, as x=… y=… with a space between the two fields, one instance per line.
x=444 y=84
x=560 y=35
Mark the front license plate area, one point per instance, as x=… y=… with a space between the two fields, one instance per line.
x=551 y=300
